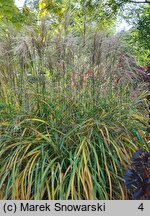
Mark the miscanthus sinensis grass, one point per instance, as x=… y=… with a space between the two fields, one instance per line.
x=70 y=119
x=70 y=151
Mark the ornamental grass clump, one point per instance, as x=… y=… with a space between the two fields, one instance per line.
x=69 y=119
x=70 y=151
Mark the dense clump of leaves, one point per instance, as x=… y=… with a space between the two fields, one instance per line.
x=137 y=178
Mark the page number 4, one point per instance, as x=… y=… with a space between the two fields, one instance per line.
x=141 y=207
